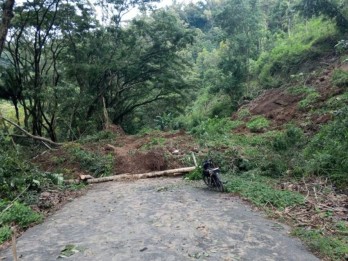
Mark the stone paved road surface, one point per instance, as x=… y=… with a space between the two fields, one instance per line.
x=158 y=219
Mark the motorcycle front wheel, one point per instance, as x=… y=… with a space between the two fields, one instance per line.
x=207 y=180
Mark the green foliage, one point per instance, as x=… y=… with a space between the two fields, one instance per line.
x=195 y=175
x=332 y=9
x=257 y=124
x=300 y=89
x=340 y=78
x=261 y=192
x=332 y=246
x=326 y=153
x=164 y=122
x=15 y=175
x=215 y=126
x=289 y=52
x=341 y=46
x=292 y=137
x=243 y=113
x=21 y=215
x=5 y=233
x=337 y=102
x=311 y=98
x=96 y=164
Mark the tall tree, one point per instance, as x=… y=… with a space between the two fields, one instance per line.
x=331 y=8
x=7 y=14
x=240 y=21
x=129 y=67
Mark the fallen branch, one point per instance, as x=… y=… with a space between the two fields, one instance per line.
x=42 y=139
x=155 y=174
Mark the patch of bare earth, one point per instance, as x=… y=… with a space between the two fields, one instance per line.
x=132 y=154
x=281 y=107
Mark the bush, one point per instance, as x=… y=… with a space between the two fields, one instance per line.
x=96 y=164
x=5 y=233
x=309 y=100
x=215 y=126
x=195 y=175
x=292 y=137
x=257 y=124
x=340 y=78
x=326 y=153
x=19 y=214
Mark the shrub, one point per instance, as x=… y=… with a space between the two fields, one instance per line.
x=5 y=233
x=96 y=164
x=293 y=136
x=214 y=126
x=243 y=113
x=19 y=214
x=340 y=78
x=195 y=175
x=257 y=124
x=326 y=153
x=309 y=100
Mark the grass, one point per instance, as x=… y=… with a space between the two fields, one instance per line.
x=262 y=193
x=340 y=78
x=311 y=98
x=20 y=215
x=332 y=246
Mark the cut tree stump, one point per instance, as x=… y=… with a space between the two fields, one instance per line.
x=155 y=174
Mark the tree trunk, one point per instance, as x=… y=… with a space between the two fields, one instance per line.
x=155 y=174
x=7 y=14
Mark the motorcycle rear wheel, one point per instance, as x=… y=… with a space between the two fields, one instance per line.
x=217 y=184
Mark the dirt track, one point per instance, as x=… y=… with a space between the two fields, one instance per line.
x=162 y=219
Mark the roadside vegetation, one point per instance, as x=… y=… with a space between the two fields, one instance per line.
x=260 y=87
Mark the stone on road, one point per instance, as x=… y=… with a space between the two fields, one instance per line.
x=158 y=219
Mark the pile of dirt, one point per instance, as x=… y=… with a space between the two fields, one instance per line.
x=131 y=154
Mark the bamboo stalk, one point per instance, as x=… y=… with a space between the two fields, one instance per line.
x=14 y=243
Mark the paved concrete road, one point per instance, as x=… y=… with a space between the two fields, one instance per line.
x=158 y=219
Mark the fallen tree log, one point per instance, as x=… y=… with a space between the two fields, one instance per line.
x=39 y=138
x=155 y=174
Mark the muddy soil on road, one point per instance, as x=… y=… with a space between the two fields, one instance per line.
x=158 y=219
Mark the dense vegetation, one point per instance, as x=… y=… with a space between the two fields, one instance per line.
x=70 y=69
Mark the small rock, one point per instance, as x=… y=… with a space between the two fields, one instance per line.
x=45 y=194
